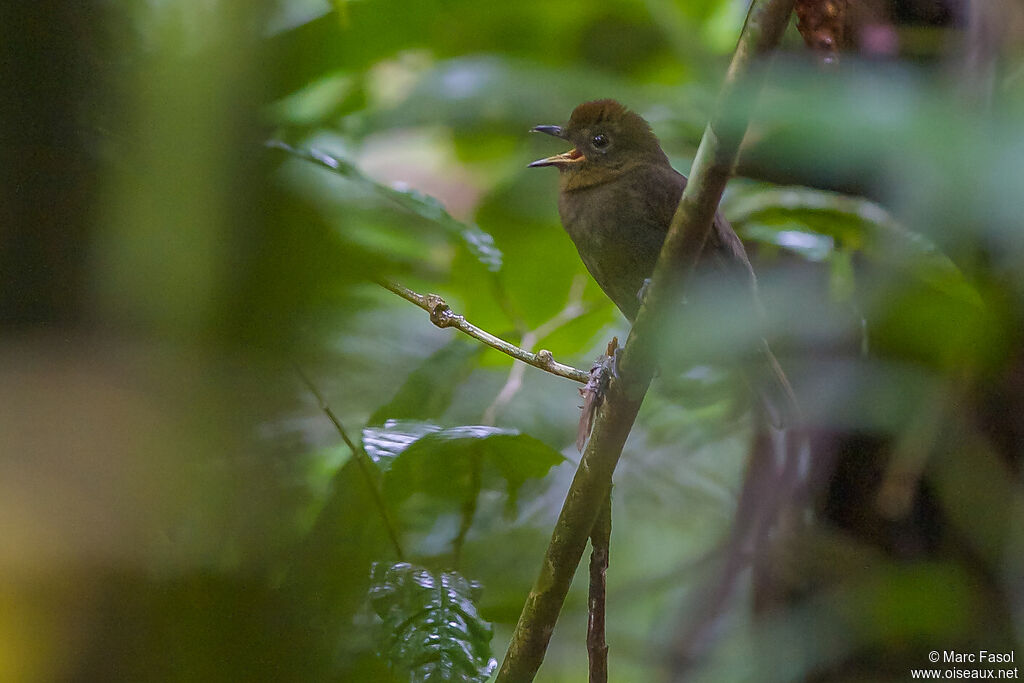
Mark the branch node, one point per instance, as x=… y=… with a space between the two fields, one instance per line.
x=440 y=312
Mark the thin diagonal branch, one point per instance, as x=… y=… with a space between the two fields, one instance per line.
x=573 y=309
x=690 y=227
x=366 y=466
x=442 y=316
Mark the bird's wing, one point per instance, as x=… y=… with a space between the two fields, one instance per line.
x=723 y=248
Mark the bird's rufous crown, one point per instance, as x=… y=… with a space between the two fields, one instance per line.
x=596 y=112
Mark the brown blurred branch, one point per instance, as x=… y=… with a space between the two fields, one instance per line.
x=690 y=226
x=442 y=316
x=597 y=646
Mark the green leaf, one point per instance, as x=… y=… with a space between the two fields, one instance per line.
x=431 y=628
x=320 y=102
x=852 y=223
x=428 y=390
x=385 y=444
x=447 y=463
x=478 y=242
x=443 y=463
x=812 y=246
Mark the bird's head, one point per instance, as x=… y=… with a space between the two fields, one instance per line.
x=608 y=139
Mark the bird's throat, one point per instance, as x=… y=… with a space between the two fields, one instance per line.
x=587 y=174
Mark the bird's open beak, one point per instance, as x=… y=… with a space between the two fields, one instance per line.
x=571 y=157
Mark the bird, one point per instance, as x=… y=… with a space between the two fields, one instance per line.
x=617 y=195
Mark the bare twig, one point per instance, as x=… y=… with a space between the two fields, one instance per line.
x=366 y=466
x=573 y=309
x=442 y=316
x=597 y=646
x=690 y=226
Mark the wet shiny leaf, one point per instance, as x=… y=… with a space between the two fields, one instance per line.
x=431 y=629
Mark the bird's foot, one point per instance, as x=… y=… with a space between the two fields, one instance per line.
x=601 y=373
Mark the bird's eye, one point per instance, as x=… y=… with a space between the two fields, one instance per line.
x=600 y=141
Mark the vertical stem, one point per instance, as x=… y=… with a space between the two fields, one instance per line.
x=597 y=646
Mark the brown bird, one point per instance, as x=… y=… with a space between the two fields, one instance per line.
x=617 y=196
x=618 y=193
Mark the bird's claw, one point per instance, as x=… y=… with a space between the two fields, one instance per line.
x=601 y=373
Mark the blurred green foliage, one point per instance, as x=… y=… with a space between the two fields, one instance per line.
x=233 y=179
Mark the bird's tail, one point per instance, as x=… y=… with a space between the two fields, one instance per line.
x=773 y=389
x=770 y=511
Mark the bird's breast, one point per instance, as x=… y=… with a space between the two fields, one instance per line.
x=618 y=229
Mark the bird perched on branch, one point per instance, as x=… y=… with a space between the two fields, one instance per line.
x=618 y=193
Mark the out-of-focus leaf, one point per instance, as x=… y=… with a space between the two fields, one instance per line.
x=302 y=53
x=813 y=205
x=428 y=390
x=443 y=463
x=540 y=261
x=947 y=333
x=897 y=604
x=313 y=481
x=454 y=463
x=431 y=628
x=852 y=223
x=320 y=102
x=810 y=245
x=341 y=7
x=330 y=567
x=479 y=243
x=479 y=92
